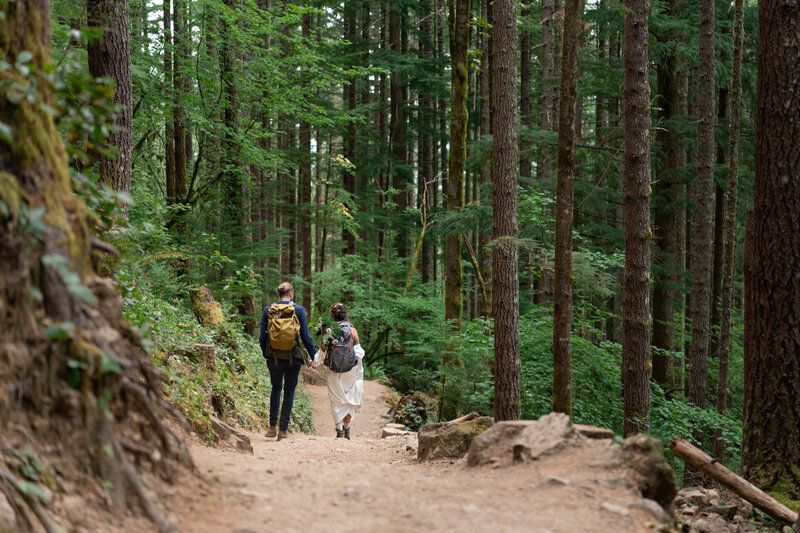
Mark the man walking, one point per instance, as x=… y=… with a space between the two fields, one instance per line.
x=283 y=325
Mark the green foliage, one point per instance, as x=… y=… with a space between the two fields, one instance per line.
x=242 y=378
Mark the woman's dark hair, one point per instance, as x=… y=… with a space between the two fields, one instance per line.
x=338 y=312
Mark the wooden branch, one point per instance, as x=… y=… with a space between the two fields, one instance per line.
x=484 y=294
x=465 y=418
x=716 y=471
x=414 y=260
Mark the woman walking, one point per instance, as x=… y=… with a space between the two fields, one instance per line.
x=342 y=356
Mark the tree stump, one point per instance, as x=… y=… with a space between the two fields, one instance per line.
x=207 y=354
x=207 y=310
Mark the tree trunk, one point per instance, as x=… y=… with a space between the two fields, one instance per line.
x=181 y=86
x=304 y=225
x=636 y=308
x=670 y=212
x=505 y=296
x=169 y=137
x=427 y=150
x=525 y=86
x=549 y=81
x=770 y=455
x=110 y=57
x=702 y=193
x=719 y=238
x=397 y=128
x=350 y=93
x=484 y=250
x=562 y=297
x=731 y=208
x=55 y=311
x=458 y=20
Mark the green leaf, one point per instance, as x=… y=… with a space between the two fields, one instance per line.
x=58 y=331
x=6 y=132
x=24 y=57
x=109 y=364
x=31 y=489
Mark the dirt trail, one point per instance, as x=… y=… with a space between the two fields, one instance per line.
x=318 y=483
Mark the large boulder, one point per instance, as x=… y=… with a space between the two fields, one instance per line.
x=450 y=439
x=523 y=440
x=653 y=475
x=228 y=434
x=413 y=410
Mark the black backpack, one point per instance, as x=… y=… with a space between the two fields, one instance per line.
x=341 y=356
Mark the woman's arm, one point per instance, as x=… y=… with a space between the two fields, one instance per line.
x=354 y=333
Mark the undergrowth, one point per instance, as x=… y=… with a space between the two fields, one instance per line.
x=241 y=385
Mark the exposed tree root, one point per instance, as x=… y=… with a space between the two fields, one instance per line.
x=153 y=512
x=11 y=488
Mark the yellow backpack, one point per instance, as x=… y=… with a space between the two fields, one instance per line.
x=283 y=329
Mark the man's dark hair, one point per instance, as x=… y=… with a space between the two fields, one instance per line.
x=338 y=312
x=285 y=289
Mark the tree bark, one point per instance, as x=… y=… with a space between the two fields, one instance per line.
x=636 y=308
x=670 y=212
x=397 y=127
x=427 y=151
x=770 y=455
x=350 y=93
x=304 y=224
x=548 y=95
x=562 y=290
x=458 y=20
x=484 y=250
x=169 y=137
x=505 y=293
x=110 y=57
x=48 y=283
x=181 y=87
x=525 y=87
x=702 y=194
x=719 y=238
x=731 y=207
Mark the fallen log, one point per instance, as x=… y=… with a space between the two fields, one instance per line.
x=717 y=471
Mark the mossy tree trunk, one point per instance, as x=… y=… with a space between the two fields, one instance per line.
x=55 y=313
x=458 y=23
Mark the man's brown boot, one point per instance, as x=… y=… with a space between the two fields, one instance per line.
x=283 y=435
x=272 y=432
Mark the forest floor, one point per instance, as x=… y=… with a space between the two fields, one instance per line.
x=319 y=483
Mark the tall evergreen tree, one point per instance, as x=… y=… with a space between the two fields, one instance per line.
x=505 y=293
x=458 y=14
x=770 y=456
x=636 y=309
x=565 y=186
x=702 y=195
x=110 y=56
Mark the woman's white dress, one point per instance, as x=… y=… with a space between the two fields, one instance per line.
x=346 y=389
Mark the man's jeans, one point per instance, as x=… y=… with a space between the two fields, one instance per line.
x=284 y=375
